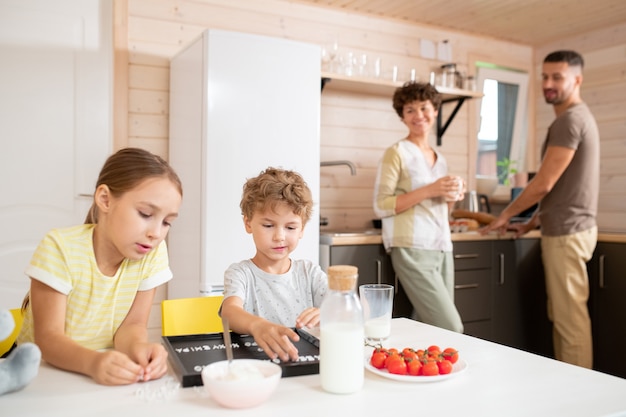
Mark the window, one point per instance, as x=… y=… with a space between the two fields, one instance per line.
x=502 y=119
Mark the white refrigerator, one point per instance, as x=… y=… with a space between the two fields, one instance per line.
x=239 y=103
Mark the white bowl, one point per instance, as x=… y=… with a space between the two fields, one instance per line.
x=247 y=383
x=486 y=184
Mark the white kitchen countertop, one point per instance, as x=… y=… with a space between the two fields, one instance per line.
x=499 y=381
x=371 y=238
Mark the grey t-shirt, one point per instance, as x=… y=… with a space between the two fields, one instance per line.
x=277 y=298
x=572 y=204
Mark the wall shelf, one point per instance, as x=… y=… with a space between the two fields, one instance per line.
x=365 y=85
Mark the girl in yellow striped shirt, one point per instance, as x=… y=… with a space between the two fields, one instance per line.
x=92 y=285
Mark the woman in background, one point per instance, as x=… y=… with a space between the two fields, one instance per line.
x=413 y=194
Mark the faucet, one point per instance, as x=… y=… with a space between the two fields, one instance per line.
x=342 y=162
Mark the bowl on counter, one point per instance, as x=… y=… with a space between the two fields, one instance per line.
x=245 y=383
x=486 y=184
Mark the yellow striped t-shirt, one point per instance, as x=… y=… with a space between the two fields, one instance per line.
x=96 y=304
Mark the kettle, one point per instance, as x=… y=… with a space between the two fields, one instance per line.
x=475 y=202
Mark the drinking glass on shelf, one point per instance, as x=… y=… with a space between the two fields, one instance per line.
x=377 y=69
x=329 y=56
x=349 y=64
x=395 y=73
x=363 y=69
x=325 y=57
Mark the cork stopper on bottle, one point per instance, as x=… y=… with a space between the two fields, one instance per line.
x=342 y=277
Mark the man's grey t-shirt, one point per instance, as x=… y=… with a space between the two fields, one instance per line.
x=277 y=298
x=572 y=204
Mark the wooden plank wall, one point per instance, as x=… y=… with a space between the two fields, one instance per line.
x=604 y=90
x=355 y=126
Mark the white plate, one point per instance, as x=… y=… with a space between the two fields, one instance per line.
x=459 y=367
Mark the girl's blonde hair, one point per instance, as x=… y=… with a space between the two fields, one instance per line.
x=126 y=168
x=121 y=172
x=274 y=186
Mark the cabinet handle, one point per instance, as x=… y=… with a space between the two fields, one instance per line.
x=465 y=286
x=396 y=284
x=379 y=272
x=466 y=256
x=601 y=272
x=501 y=269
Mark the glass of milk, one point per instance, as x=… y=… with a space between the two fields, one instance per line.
x=377 y=303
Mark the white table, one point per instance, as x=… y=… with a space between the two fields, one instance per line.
x=499 y=381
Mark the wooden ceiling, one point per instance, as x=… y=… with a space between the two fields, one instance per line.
x=530 y=22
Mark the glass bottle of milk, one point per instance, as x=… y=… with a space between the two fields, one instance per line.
x=341 y=333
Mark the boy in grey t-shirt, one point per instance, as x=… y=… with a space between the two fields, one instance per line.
x=268 y=295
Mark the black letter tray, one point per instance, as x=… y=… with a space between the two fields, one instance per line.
x=190 y=353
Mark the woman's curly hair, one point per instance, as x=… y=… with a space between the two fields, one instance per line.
x=413 y=91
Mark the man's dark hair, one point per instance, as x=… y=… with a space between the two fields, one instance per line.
x=573 y=58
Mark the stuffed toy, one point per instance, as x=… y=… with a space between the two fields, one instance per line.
x=22 y=364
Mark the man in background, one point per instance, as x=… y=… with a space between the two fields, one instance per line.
x=566 y=187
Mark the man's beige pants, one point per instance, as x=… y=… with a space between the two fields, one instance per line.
x=567 y=285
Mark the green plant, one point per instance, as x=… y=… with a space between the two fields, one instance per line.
x=506 y=168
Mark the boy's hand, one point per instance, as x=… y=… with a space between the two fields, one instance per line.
x=276 y=340
x=308 y=318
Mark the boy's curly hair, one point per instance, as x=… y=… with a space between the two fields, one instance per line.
x=273 y=186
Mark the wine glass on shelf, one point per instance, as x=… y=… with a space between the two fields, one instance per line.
x=349 y=64
x=329 y=56
x=325 y=55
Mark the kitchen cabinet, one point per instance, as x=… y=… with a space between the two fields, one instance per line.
x=606 y=303
x=371 y=260
x=472 y=288
x=376 y=86
x=519 y=303
x=374 y=266
x=534 y=302
x=499 y=287
x=506 y=318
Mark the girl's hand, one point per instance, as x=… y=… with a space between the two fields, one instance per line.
x=308 y=318
x=115 y=368
x=152 y=357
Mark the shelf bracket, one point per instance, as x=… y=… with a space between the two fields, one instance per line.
x=324 y=81
x=442 y=129
x=384 y=88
